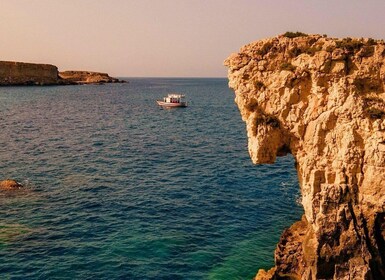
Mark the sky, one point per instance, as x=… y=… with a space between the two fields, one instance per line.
x=167 y=38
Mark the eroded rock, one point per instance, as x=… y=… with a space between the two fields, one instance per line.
x=322 y=100
x=10 y=185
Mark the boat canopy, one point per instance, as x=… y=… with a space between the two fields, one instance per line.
x=175 y=95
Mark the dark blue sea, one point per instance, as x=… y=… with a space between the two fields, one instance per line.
x=118 y=188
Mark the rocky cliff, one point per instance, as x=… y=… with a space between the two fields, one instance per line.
x=86 y=77
x=20 y=73
x=322 y=100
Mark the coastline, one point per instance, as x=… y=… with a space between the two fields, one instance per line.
x=14 y=73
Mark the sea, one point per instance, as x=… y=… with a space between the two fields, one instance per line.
x=118 y=188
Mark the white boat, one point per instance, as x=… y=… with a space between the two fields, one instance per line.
x=173 y=100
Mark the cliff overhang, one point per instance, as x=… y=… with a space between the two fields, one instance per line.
x=322 y=100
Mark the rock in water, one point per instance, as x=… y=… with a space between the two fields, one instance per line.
x=10 y=185
x=322 y=100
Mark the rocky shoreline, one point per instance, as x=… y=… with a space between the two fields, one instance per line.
x=87 y=77
x=322 y=100
x=33 y=74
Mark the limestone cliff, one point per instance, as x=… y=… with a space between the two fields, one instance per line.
x=322 y=100
x=20 y=73
x=87 y=77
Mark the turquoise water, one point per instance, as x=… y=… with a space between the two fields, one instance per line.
x=118 y=188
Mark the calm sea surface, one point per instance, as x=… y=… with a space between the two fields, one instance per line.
x=118 y=188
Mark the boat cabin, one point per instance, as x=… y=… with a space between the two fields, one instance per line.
x=174 y=98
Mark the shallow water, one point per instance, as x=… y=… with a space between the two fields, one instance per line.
x=118 y=188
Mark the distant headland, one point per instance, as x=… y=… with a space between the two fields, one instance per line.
x=32 y=74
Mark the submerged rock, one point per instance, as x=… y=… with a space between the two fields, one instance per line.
x=322 y=100
x=10 y=185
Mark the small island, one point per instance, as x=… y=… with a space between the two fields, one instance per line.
x=33 y=74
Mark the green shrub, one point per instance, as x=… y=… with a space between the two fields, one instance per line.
x=289 y=34
x=349 y=44
x=372 y=42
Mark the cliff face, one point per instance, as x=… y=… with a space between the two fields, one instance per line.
x=323 y=101
x=20 y=73
x=86 y=77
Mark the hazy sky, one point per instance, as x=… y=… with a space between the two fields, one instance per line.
x=160 y=38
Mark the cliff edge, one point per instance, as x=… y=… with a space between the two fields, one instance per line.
x=322 y=100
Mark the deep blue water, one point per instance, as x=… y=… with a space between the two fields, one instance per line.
x=118 y=188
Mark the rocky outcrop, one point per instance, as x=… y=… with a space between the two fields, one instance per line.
x=322 y=100
x=26 y=74
x=20 y=73
x=86 y=77
x=10 y=185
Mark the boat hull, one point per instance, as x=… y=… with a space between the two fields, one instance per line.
x=171 y=105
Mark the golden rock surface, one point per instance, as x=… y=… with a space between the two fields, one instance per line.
x=322 y=100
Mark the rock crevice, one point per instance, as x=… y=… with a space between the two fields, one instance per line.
x=322 y=100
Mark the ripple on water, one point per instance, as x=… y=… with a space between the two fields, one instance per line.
x=121 y=189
